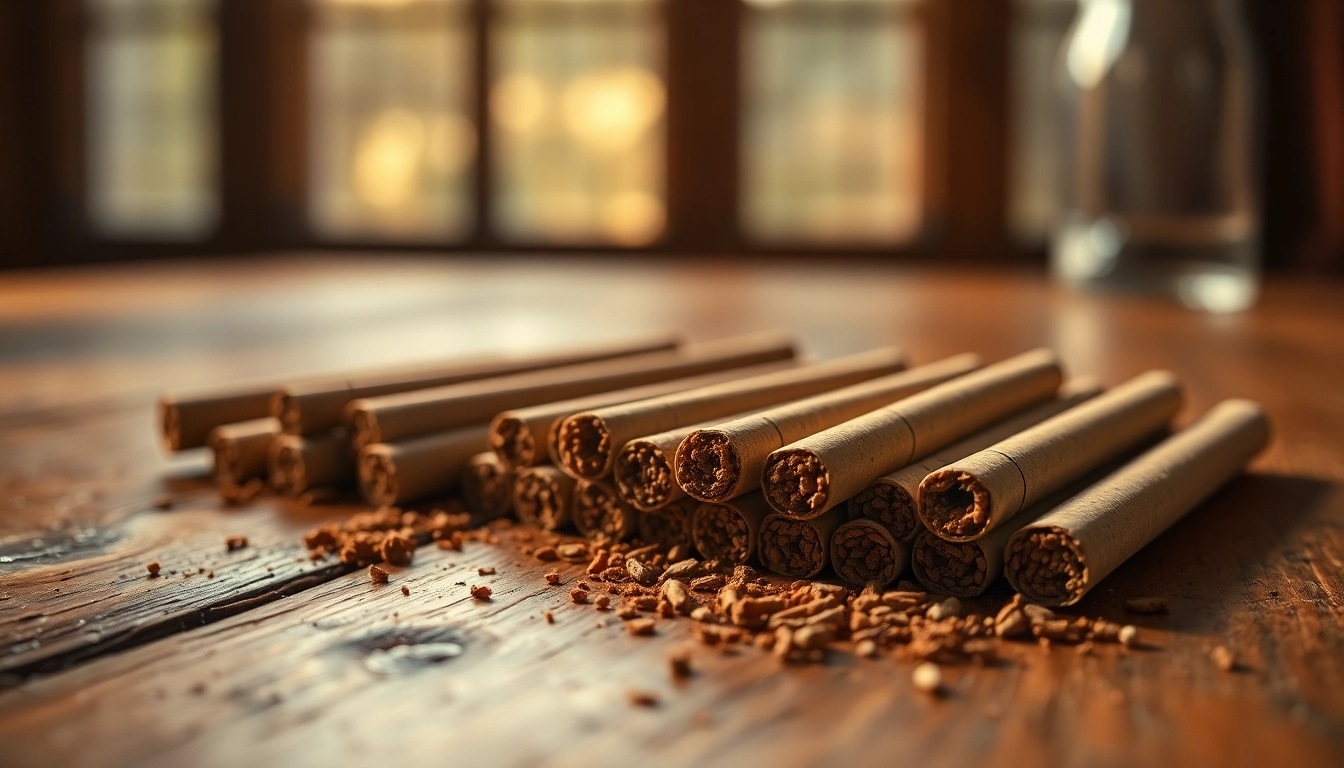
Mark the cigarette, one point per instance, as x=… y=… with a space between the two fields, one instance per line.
x=299 y=464
x=542 y=496
x=726 y=460
x=589 y=441
x=600 y=515
x=799 y=549
x=186 y=419
x=970 y=497
x=487 y=486
x=670 y=526
x=393 y=473
x=864 y=552
x=1061 y=556
x=241 y=450
x=728 y=531
x=810 y=477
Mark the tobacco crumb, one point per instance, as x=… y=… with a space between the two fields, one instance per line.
x=553 y=578
x=602 y=602
x=1223 y=658
x=163 y=502
x=578 y=595
x=927 y=677
x=481 y=592
x=1146 y=605
x=377 y=575
x=153 y=568
x=405 y=590
x=485 y=571
x=866 y=649
x=642 y=698
x=546 y=554
x=452 y=541
x=640 y=626
x=550 y=617
x=680 y=664
x=235 y=542
x=397 y=549
x=1128 y=636
x=210 y=575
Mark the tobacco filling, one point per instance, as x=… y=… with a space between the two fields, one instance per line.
x=599 y=514
x=1047 y=565
x=643 y=472
x=670 y=527
x=796 y=482
x=955 y=503
x=889 y=506
x=288 y=474
x=286 y=409
x=861 y=556
x=513 y=442
x=956 y=567
x=707 y=465
x=485 y=487
x=585 y=445
x=721 y=533
x=172 y=425
x=538 y=500
x=366 y=429
x=791 y=547
x=378 y=478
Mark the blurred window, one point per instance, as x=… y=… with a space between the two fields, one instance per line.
x=150 y=79
x=577 y=102
x=1036 y=173
x=391 y=141
x=832 y=120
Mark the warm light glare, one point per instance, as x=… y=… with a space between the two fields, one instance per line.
x=519 y=103
x=387 y=158
x=611 y=109
x=632 y=218
x=451 y=143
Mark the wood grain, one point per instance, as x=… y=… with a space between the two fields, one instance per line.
x=1259 y=568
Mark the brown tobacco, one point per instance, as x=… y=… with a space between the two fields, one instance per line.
x=301 y=464
x=725 y=461
x=241 y=450
x=487 y=486
x=799 y=549
x=392 y=473
x=312 y=406
x=970 y=497
x=890 y=499
x=599 y=513
x=669 y=526
x=543 y=496
x=864 y=552
x=813 y=475
x=1059 y=557
x=588 y=442
x=423 y=411
x=729 y=532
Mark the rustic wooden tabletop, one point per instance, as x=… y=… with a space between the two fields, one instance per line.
x=277 y=660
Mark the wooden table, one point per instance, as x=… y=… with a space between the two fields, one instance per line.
x=279 y=660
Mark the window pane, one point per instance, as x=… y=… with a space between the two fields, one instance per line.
x=151 y=74
x=832 y=139
x=392 y=142
x=1036 y=174
x=577 y=115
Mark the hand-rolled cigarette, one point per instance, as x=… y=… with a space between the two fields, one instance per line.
x=589 y=441
x=313 y=405
x=645 y=467
x=728 y=531
x=799 y=549
x=890 y=499
x=968 y=498
x=813 y=475
x=487 y=486
x=241 y=449
x=393 y=473
x=670 y=526
x=300 y=464
x=522 y=437
x=864 y=552
x=599 y=513
x=408 y=414
x=726 y=460
x=543 y=496
x=186 y=419
x=1059 y=557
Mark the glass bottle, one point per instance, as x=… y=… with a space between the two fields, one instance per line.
x=1160 y=105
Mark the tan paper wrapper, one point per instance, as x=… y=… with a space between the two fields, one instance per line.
x=670 y=526
x=1100 y=528
x=814 y=475
x=300 y=464
x=315 y=405
x=487 y=486
x=729 y=531
x=799 y=549
x=890 y=500
x=599 y=513
x=524 y=437
x=726 y=460
x=240 y=450
x=589 y=441
x=543 y=496
x=409 y=414
x=394 y=473
x=864 y=552
x=187 y=419
x=968 y=498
